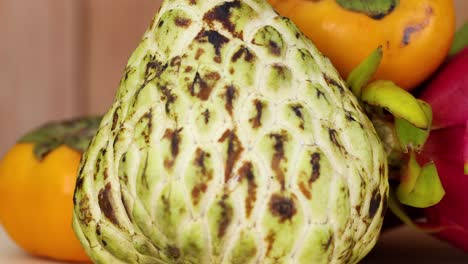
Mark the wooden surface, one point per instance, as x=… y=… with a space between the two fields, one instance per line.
x=402 y=246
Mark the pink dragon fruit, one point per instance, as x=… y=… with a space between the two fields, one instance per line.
x=447 y=146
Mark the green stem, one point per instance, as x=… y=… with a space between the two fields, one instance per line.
x=76 y=134
x=361 y=75
x=376 y=9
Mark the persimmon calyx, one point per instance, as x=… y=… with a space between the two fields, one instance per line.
x=76 y=134
x=376 y=9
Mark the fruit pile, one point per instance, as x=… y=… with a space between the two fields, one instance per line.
x=233 y=138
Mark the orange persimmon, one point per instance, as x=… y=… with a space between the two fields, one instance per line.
x=415 y=34
x=37 y=181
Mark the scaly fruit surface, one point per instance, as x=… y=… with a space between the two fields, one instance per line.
x=231 y=140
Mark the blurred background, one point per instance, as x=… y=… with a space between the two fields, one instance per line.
x=62 y=59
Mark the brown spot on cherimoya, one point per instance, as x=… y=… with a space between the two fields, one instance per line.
x=105 y=203
x=226 y=216
x=199 y=161
x=197 y=190
x=297 y=109
x=315 y=163
x=115 y=118
x=257 y=120
x=305 y=190
x=230 y=95
x=269 y=240
x=205 y=177
x=271 y=39
x=183 y=22
x=281 y=71
x=98 y=230
x=175 y=138
x=328 y=243
x=176 y=61
x=333 y=137
x=331 y=81
x=148 y=118
x=278 y=157
x=79 y=185
x=206 y=116
x=274 y=48
x=85 y=216
x=245 y=52
x=222 y=14
x=143 y=175
x=282 y=207
x=168 y=96
x=173 y=252
x=214 y=38
x=234 y=150
x=246 y=173
x=202 y=86
x=166 y=203
x=161 y=23
x=97 y=167
x=153 y=69
x=100 y=236
x=349 y=116
x=200 y=52
x=106 y=174
x=320 y=93
x=314 y=175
